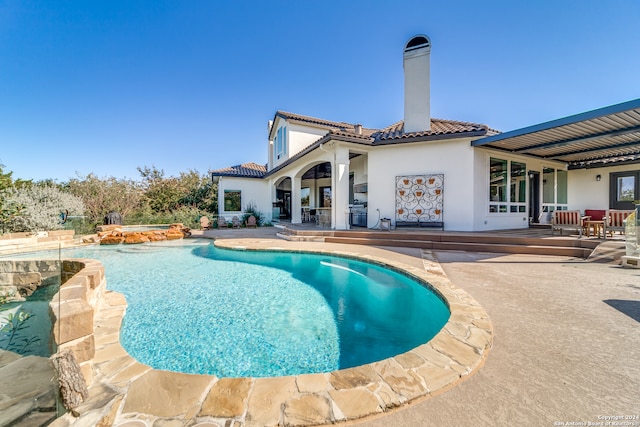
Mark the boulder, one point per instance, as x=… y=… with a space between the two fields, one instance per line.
x=111 y=240
x=155 y=236
x=133 y=238
x=174 y=234
x=108 y=228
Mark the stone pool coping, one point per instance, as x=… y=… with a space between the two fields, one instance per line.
x=125 y=392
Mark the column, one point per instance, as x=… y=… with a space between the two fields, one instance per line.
x=296 y=206
x=340 y=190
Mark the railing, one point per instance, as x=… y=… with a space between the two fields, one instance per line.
x=29 y=383
x=631 y=234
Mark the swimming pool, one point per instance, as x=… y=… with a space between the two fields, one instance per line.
x=196 y=308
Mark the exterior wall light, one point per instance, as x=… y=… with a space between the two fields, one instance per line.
x=598 y=177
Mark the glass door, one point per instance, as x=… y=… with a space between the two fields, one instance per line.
x=624 y=190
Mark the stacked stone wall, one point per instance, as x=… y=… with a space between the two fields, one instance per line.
x=21 y=278
x=74 y=307
x=17 y=242
x=81 y=285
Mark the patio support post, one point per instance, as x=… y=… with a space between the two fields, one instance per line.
x=272 y=185
x=296 y=205
x=340 y=193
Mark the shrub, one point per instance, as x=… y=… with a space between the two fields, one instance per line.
x=251 y=209
x=187 y=215
x=42 y=208
x=12 y=328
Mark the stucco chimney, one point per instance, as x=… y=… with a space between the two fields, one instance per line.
x=417 y=106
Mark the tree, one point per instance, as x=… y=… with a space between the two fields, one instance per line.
x=169 y=194
x=8 y=210
x=199 y=191
x=101 y=196
x=160 y=194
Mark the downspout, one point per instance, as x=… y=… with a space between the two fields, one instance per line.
x=333 y=181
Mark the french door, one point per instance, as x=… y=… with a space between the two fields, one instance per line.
x=624 y=189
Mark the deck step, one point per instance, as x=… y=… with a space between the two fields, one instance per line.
x=472 y=238
x=513 y=248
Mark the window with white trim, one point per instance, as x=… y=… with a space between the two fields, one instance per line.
x=554 y=189
x=280 y=143
x=507 y=186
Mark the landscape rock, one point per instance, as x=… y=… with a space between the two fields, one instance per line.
x=133 y=238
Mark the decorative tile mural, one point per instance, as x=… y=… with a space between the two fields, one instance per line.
x=419 y=198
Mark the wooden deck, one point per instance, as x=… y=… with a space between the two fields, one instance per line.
x=534 y=240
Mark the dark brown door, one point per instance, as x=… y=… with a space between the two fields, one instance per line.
x=624 y=189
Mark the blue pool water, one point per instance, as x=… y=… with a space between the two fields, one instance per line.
x=199 y=309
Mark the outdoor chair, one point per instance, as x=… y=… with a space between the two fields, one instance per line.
x=222 y=223
x=615 y=220
x=235 y=222
x=592 y=215
x=205 y=224
x=251 y=222
x=567 y=220
x=313 y=217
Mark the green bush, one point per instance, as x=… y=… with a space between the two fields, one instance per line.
x=251 y=209
x=12 y=328
x=42 y=208
x=187 y=215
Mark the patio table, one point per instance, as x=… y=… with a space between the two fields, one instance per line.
x=598 y=228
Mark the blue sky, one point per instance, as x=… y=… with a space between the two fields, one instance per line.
x=107 y=86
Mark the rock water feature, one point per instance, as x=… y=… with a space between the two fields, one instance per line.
x=114 y=234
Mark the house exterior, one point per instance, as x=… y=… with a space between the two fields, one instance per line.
x=428 y=172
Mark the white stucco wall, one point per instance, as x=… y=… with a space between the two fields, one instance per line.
x=453 y=158
x=298 y=138
x=587 y=193
x=254 y=191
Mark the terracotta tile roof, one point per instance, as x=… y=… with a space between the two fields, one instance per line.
x=333 y=127
x=438 y=127
x=392 y=134
x=246 y=170
x=291 y=117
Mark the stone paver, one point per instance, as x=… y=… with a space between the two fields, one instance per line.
x=227 y=398
x=356 y=402
x=165 y=394
x=307 y=410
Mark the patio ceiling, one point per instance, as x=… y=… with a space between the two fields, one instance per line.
x=604 y=137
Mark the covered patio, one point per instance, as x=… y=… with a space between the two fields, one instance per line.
x=601 y=149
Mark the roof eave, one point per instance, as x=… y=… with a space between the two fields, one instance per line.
x=576 y=118
x=435 y=137
x=218 y=174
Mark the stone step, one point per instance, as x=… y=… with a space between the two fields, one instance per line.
x=300 y=238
